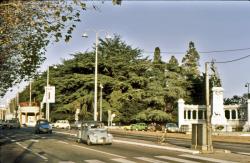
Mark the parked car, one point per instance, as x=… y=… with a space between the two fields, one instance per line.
x=75 y=125
x=171 y=127
x=139 y=127
x=93 y=132
x=13 y=123
x=155 y=127
x=43 y=126
x=3 y=124
x=62 y=124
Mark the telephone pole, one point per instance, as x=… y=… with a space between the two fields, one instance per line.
x=208 y=120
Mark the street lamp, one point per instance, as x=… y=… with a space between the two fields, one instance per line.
x=101 y=103
x=96 y=65
x=247 y=85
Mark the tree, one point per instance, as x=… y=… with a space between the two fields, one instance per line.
x=190 y=66
x=26 y=28
x=157 y=55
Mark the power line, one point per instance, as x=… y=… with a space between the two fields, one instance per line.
x=234 y=60
x=204 y=52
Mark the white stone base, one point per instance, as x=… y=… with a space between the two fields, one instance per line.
x=246 y=127
x=218 y=120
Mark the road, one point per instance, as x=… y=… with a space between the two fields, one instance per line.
x=22 y=145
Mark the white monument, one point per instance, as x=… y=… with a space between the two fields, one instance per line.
x=218 y=114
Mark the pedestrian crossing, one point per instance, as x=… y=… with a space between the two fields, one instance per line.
x=183 y=158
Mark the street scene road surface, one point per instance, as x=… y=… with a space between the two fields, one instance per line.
x=22 y=145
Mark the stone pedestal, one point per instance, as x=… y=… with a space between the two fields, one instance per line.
x=246 y=127
x=218 y=114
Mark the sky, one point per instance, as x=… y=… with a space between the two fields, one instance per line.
x=169 y=25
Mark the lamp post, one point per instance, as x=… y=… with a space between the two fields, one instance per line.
x=96 y=66
x=101 y=103
x=247 y=85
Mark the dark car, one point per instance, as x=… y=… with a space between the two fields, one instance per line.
x=13 y=123
x=43 y=126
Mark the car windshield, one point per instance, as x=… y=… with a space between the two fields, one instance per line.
x=44 y=122
x=171 y=125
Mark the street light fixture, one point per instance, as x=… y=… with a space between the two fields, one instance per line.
x=247 y=85
x=85 y=35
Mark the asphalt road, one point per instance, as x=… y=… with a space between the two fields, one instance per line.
x=22 y=145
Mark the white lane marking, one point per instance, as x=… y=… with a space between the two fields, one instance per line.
x=99 y=151
x=122 y=160
x=150 y=160
x=43 y=157
x=13 y=140
x=93 y=161
x=63 y=142
x=65 y=133
x=34 y=140
x=243 y=153
x=175 y=159
x=159 y=147
x=206 y=158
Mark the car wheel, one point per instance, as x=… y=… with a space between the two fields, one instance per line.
x=79 y=140
x=50 y=132
x=88 y=141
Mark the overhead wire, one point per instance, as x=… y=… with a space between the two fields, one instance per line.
x=211 y=51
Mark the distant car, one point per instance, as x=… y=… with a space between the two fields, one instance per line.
x=43 y=126
x=127 y=127
x=13 y=123
x=94 y=133
x=139 y=127
x=171 y=127
x=62 y=124
x=155 y=127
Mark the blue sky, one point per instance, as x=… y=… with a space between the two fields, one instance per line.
x=171 y=25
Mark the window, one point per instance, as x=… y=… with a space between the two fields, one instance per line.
x=189 y=114
x=194 y=114
x=200 y=114
x=233 y=114
x=227 y=114
x=185 y=114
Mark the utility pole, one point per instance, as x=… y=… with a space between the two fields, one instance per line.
x=101 y=103
x=208 y=120
x=47 y=94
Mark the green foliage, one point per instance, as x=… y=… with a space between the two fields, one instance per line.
x=26 y=28
x=134 y=88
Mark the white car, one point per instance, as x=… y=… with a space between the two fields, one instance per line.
x=62 y=124
x=94 y=133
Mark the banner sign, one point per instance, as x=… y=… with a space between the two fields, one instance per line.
x=49 y=95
